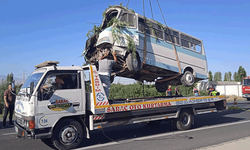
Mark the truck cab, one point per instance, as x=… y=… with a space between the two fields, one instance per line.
x=246 y=88
x=42 y=102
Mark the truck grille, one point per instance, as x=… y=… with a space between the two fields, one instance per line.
x=20 y=121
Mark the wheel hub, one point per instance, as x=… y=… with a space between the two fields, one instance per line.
x=68 y=134
x=134 y=62
x=189 y=78
x=184 y=119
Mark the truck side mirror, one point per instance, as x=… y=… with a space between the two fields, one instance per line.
x=31 y=87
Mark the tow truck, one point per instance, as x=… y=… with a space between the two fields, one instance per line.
x=66 y=115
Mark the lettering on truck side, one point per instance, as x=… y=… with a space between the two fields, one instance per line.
x=138 y=106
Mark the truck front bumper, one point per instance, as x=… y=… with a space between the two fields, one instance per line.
x=22 y=133
x=246 y=95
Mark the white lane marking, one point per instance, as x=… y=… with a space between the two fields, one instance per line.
x=9 y=133
x=160 y=135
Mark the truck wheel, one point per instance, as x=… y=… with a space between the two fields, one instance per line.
x=248 y=99
x=68 y=134
x=161 y=86
x=187 y=79
x=134 y=64
x=184 y=121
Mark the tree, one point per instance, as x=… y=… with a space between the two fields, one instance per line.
x=235 y=76
x=210 y=76
x=230 y=75
x=241 y=73
x=226 y=77
x=217 y=76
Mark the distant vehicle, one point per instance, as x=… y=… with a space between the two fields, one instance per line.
x=66 y=115
x=246 y=88
x=159 y=61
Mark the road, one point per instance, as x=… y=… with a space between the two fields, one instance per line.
x=209 y=129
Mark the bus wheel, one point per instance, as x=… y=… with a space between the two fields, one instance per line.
x=185 y=119
x=187 y=79
x=68 y=134
x=248 y=99
x=134 y=64
x=112 y=79
x=161 y=86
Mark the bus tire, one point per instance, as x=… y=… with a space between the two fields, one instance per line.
x=68 y=134
x=248 y=99
x=161 y=86
x=187 y=79
x=134 y=64
x=185 y=120
x=112 y=79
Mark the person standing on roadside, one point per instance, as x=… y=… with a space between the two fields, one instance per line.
x=196 y=92
x=210 y=89
x=105 y=68
x=169 y=91
x=176 y=91
x=9 y=101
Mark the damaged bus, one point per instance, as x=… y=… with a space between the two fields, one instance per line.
x=162 y=54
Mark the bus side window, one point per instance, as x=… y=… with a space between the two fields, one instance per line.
x=129 y=18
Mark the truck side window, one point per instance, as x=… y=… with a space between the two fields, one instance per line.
x=58 y=81
x=87 y=81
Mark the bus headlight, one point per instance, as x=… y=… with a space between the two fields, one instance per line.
x=103 y=39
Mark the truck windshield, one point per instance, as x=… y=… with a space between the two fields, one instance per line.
x=246 y=82
x=34 y=77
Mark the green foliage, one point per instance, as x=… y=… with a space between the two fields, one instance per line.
x=241 y=73
x=210 y=76
x=135 y=90
x=226 y=76
x=230 y=75
x=94 y=30
x=235 y=76
x=217 y=76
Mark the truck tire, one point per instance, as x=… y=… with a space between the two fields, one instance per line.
x=134 y=64
x=187 y=79
x=161 y=86
x=185 y=120
x=248 y=99
x=68 y=134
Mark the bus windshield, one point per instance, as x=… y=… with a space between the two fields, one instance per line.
x=246 y=82
x=109 y=15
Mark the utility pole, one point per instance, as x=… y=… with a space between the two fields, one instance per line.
x=23 y=76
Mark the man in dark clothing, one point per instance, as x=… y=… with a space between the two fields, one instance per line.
x=210 y=89
x=105 y=68
x=9 y=100
x=177 y=90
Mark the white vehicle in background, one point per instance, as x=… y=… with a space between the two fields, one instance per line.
x=181 y=60
x=67 y=114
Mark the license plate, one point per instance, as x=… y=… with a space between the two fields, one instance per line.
x=16 y=129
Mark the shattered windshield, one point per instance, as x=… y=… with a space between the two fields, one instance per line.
x=34 y=77
x=109 y=16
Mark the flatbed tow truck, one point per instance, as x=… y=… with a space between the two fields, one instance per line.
x=67 y=115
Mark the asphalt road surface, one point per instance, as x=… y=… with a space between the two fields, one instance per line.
x=209 y=129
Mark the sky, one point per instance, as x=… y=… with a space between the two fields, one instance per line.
x=32 y=32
